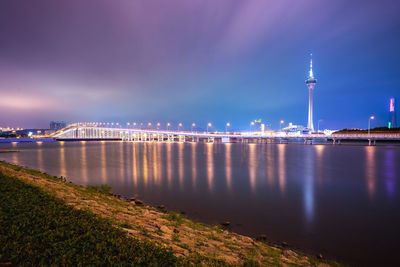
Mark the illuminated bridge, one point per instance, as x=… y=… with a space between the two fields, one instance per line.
x=91 y=132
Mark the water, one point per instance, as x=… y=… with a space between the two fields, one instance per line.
x=341 y=201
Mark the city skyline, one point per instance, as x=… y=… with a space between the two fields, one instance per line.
x=227 y=62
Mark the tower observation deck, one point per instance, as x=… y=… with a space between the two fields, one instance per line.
x=310 y=82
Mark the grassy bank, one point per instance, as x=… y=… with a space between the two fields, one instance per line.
x=39 y=229
x=45 y=220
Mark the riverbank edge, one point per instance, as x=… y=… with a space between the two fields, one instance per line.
x=195 y=243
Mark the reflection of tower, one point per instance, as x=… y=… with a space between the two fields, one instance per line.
x=311 y=81
x=392 y=111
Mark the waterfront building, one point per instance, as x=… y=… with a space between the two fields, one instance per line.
x=311 y=81
x=392 y=123
x=57 y=125
x=293 y=128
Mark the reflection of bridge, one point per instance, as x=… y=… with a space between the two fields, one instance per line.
x=84 y=132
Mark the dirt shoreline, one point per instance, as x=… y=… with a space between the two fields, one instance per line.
x=194 y=242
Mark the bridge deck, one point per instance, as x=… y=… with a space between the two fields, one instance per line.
x=105 y=133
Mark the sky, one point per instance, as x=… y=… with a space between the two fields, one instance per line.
x=198 y=61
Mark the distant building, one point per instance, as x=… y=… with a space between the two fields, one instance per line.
x=392 y=123
x=257 y=125
x=57 y=125
x=293 y=128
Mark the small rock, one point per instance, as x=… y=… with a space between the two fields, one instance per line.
x=284 y=244
x=132 y=199
x=138 y=202
x=161 y=207
x=319 y=256
x=289 y=253
x=225 y=223
x=165 y=229
x=176 y=231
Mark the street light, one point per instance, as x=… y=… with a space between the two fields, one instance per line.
x=179 y=126
x=208 y=125
x=193 y=125
x=168 y=124
x=280 y=125
x=226 y=126
x=318 y=123
x=251 y=125
x=158 y=125
x=369 y=124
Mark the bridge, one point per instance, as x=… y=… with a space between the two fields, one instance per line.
x=94 y=132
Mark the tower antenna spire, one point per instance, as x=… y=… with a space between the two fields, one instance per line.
x=311 y=73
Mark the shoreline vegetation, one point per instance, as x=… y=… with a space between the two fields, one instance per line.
x=46 y=220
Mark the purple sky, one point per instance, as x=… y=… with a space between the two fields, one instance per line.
x=197 y=60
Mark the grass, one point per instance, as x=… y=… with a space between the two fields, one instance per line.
x=174 y=217
x=104 y=189
x=213 y=237
x=38 y=229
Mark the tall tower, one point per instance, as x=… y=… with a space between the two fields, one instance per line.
x=311 y=81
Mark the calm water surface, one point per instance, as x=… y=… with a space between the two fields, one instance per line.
x=342 y=201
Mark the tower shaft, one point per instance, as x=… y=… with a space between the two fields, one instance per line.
x=310 y=124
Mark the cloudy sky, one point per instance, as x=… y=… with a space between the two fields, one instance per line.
x=197 y=61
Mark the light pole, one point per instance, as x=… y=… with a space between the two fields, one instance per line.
x=318 y=123
x=149 y=125
x=179 y=126
x=280 y=125
x=226 y=126
x=168 y=124
x=193 y=125
x=369 y=124
x=158 y=125
x=208 y=125
x=251 y=126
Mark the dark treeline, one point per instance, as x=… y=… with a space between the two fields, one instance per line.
x=373 y=130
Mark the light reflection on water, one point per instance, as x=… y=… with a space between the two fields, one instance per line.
x=317 y=197
x=282 y=168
